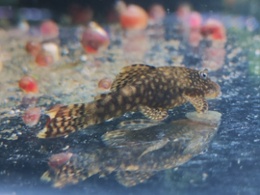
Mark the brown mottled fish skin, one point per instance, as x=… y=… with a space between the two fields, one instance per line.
x=138 y=87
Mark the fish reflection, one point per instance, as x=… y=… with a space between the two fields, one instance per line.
x=136 y=155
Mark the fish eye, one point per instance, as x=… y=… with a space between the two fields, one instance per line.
x=204 y=74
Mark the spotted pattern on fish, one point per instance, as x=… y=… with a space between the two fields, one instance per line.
x=138 y=87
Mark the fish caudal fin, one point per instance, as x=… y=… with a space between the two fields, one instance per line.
x=64 y=120
x=67 y=119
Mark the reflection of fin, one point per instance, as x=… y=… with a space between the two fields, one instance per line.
x=130 y=74
x=161 y=143
x=60 y=177
x=132 y=178
x=156 y=114
x=114 y=138
x=209 y=117
x=46 y=176
x=195 y=97
x=136 y=124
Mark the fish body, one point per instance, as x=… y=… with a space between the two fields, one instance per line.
x=138 y=87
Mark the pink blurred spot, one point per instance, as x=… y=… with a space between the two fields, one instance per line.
x=31 y=116
x=105 y=83
x=33 y=47
x=94 y=38
x=49 y=28
x=195 y=20
x=57 y=160
x=44 y=59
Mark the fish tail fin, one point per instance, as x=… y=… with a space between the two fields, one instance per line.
x=70 y=118
x=64 y=120
x=60 y=177
x=68 y=168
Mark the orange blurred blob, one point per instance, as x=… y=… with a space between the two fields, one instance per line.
x=94 y=38
x=132 y=16
x=33 y=47
x=105 y=83
x=214 y=56
x=57 y=160
x=214 y=30
x=28 y=84
x=49 y=28
x=31 y=116
x=44 y=59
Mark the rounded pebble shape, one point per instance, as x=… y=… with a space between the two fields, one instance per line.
x=33 y=47
x=195 y=20
x=49 y=28
x=94 y=38
x=53 y=49
x=28 y=84
x=105 y=83
x=209 y=117
x=57 y=160
x=44 y=59
x=214 y=30
x=133 y=17
x=31 y=116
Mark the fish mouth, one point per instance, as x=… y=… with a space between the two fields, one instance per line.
x=214 y=92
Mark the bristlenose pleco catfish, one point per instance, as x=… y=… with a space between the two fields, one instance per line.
x=138 y=87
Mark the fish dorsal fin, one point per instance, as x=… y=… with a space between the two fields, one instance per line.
x=129 y=74
x=132 y=178
x=156 y=114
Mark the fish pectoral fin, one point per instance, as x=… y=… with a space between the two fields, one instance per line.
x=158 y=145
x=132 y=178
x=156 y=114
x=196 y=98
